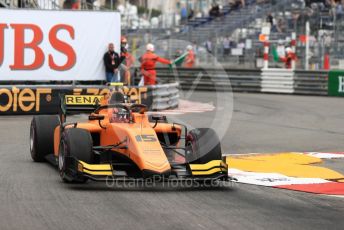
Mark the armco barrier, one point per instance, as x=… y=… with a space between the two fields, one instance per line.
x=165 y=96
x=212 y=79
x=278 y=81
x=44 y=99
x=310 y=82
x=248 y=80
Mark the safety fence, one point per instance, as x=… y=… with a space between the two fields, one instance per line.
x=45 y=99
x=248 y=80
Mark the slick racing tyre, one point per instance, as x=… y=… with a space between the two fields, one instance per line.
x=202 y=145
x=76 y=143
x=42 y=136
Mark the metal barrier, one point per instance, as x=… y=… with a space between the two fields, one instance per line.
x=278 y=81
x=311 y=82
x=165 y=96
x=213 y=79
x=45 y=99
x=248 y=80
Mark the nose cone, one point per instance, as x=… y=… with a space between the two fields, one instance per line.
x=156 y=161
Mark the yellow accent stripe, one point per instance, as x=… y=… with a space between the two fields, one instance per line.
x=289 y=164
x=209 y=165
x=97 y=167
x=116 y=84
x=209 y=172
x=98 y=173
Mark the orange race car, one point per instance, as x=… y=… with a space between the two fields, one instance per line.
x=120 y=141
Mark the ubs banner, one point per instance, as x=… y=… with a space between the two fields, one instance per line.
x=46 y=100
x=55 y=45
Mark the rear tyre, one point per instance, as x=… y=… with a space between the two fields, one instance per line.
x=42 y=136
x=202 y=145
x=75 y=143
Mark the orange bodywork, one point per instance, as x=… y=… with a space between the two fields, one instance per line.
x=141 y=139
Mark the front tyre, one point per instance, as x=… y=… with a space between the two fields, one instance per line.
x=75 y=143
x=202 y=145
x=42 y=136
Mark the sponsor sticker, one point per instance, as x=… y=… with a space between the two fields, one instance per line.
x=82 y=99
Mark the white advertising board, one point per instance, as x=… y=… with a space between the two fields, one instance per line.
x=40 y=45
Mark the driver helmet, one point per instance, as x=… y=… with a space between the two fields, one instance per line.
x=118 y=115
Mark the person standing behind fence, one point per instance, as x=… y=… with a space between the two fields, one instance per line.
x=226 y=47
x=127 y=63
x=75 y=5
x=183 y=14
x=289 y=58
x=148 y=62
x=209 y=46
x=190 y=58
x=112 y=60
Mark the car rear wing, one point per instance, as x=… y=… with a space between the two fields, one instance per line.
x=70 y=104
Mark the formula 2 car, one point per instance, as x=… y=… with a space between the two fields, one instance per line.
x=120 y=140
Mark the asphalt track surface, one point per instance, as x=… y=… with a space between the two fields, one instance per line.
x=32 y=195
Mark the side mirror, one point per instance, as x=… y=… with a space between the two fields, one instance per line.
x=96 y=117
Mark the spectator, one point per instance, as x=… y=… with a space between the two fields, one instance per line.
x=127 y=63
x=215 y=11
x=339 y=9
x=270 y=19
x=67 y=4
x=75 y=5
x=22 y=3
x=190 y=58
x=236 y=4
x=281 y=26
x=199 y=14
x=112 y=61
x=289 y=58
x=208 y=46
x=183 y=14
x=226 y=47
x=191 y=14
